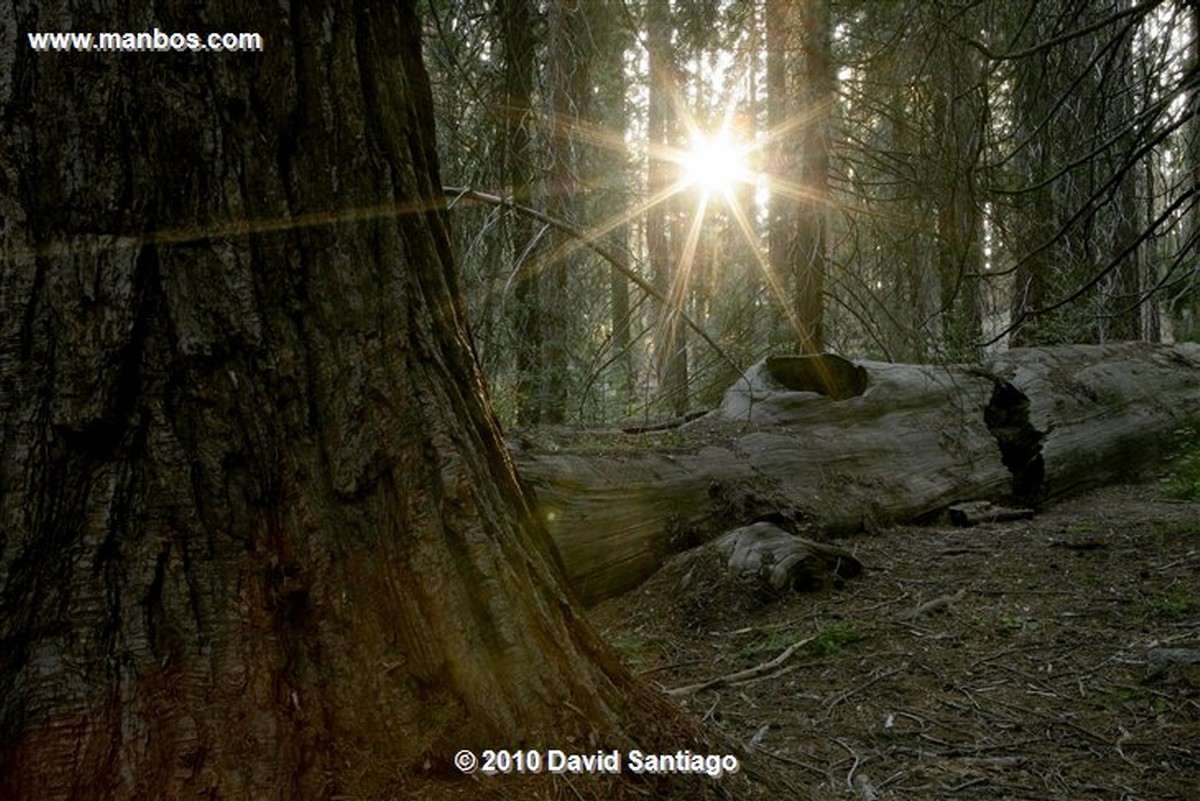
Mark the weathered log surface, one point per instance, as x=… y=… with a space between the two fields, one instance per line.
x=782 y=560
x=905 y=441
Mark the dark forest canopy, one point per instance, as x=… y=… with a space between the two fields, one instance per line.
x=918 y=182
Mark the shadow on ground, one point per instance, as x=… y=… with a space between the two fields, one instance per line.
x=1020 y=660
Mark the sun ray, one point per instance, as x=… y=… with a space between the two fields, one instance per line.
x=687 y=257
x=667 y=327
x=229 y=229
x=793 y=190
x=711 y=165
x=773 y=286
x=598 y=230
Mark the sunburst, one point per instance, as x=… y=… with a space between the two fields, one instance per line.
x=716 y=164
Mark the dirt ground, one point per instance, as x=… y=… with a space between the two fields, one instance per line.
x=1039 y=659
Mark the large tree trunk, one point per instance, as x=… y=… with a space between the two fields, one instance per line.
x=838 y=447
x=259 y=537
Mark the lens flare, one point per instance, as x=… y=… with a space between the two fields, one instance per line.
x=714 y=164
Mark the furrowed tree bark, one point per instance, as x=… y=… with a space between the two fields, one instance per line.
x=259 y=537
x=890 y=443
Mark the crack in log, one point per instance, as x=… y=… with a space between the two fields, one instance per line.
x=1007 y=418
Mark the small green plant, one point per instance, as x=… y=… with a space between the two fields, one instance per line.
x=1120 y=694
x=832 y=639
x=1014 y=623
x=1174 y=528
x=1184 y=480
x=1174 y=605
x=631 y=646
x=1123 y=694
x=828 y=641
x=768 y=640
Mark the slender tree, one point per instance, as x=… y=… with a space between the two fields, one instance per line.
x=1185 y=301
x=959 y=114
x=608 y=174
x=567 y=68
x=518 y=45
x=812 y=226
x=1123 y=308
x=779 y=159
x=662 y=243
x=949 y=177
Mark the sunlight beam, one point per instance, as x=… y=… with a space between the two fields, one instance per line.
x=714 y=164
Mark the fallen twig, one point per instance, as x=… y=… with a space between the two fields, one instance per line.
x=847 y=693
x=741 y=675
x=941 y=602
x=854 y=767
x=791 y=761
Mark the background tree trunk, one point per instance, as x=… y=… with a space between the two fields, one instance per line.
x=662 y=240
x=569 y=89
x=812 y=224
x=960 y=121
x=258 y=534
x=517 y=21
x=780 y=160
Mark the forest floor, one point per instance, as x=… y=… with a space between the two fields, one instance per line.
x=1048 y=666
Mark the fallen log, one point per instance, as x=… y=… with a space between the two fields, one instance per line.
x=840 y=446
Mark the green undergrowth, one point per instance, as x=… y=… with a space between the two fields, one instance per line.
x=829 y=641
x=632 y=647
x=1183 y=480
x=1177 y=604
